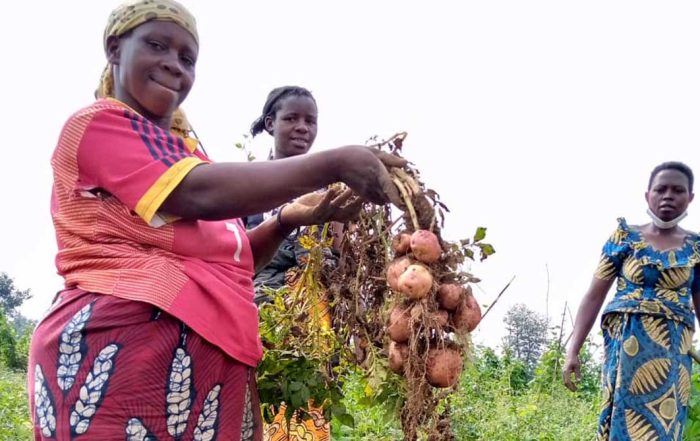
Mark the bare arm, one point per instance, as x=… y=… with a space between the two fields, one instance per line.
x=585 y=317
x=315 y=208
x=265 y=239
x=588 y=311
x=230 y=190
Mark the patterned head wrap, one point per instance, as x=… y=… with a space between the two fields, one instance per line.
x=132 y=14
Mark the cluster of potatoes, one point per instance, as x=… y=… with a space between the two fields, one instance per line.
x=447 y=307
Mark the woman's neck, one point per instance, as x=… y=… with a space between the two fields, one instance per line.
x=162 y=122
x=653 y=229
x=276 y=155
x=650 y=231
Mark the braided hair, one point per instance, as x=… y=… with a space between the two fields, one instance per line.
x=673 y=165
x=272 y=105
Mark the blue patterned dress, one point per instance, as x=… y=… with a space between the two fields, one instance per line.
x=648 y=331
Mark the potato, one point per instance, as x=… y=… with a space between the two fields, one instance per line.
x=398 y=354
x=449 y=296
x=401 y=244
x=425 y=246
x=443 y=367
x=416 y=282
x=395 y=269
x=467 y=315
x=399 y=328
x=442 y=317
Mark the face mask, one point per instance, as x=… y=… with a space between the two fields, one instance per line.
x=665 y=225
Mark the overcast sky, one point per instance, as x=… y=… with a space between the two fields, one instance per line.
x=540 y=120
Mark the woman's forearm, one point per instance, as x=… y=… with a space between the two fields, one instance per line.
x=587 y=312
x=230 y=190
x=265 y=240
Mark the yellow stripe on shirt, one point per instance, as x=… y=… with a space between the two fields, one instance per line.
x=150 y=202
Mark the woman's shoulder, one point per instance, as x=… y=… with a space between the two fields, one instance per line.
x=78 y=123
x=693 y=236
x=625 y=236
x=622 y=224
x=622 y=230
x=98 y=106
x=631 y=230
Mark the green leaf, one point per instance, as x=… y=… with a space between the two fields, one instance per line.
x=296 y=400
x=480 y=234
x=368 y=390
x=366 y=401
x=346 y=420
x=338 y=409
x=486 y=250
x=305 y=393
x=388 y=415
x=469 y=253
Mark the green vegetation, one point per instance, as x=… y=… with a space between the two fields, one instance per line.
x=15 y=334
x=502 y=396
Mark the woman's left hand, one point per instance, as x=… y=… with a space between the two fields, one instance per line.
x=332 y=205
x=572 y=366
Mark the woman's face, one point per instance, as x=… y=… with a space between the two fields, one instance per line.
x=294 y=126
x=155 y=67
x=669 y=196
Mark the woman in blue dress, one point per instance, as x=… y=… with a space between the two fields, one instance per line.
x=648 y=325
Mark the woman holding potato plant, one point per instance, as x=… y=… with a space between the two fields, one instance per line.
x=648 y=325
x=155 y=335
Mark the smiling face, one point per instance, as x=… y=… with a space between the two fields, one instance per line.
x=669 y=195
x=294 y=125
x=154 y=68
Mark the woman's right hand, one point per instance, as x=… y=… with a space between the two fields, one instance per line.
x=365 y=171
x=572 y=366
x=332 y=205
